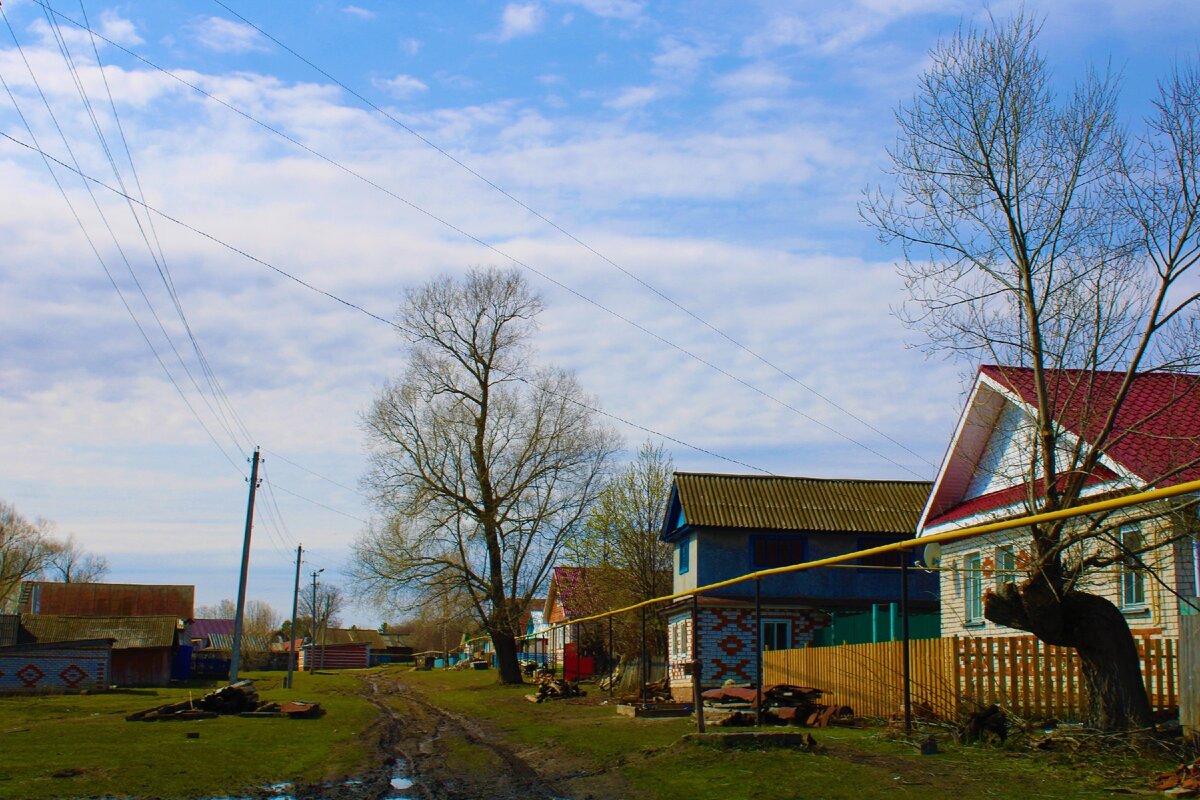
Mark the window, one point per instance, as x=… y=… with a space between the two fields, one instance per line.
x=972 y=588
x=776 y=634
x=1006 y=565
x=776 y=551
x=685 y=554
x=888 y=559
x=1133 y=573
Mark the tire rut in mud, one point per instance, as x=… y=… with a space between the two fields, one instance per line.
x=450 y=757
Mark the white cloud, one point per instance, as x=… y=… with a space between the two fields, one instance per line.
x=634 y=97
x=409 y=46
x=679 y=60
x=754 y=79
x=359 y=11
x=401 y=86
x=226 y=36
x=613 y=9
x=519 y=19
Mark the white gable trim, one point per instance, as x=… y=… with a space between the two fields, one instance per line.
x=956 y=459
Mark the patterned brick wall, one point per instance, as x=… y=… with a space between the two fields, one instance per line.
x=727 y=642
x=32 y=670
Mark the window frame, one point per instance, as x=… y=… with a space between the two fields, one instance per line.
x=795 y=542
x=787 y=633
x=1131 y=575
x=684 y=557
x=1006 y=564
x=972 y=588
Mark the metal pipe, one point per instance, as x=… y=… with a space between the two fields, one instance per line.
x=758 y=660
x=697 y=666
x=904 y=639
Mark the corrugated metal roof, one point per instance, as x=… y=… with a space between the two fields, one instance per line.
x=801 y=504
x=251 y=642
x=127 y=631
x=350 y=635
x=107 y=599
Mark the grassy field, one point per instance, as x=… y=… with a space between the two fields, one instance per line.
x=621 y=757
x=81 y=745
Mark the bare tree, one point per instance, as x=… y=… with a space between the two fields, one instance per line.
x=481 y=465
x=315 y=621
x=25 y=549
x=619 y=544
x=1036 y=235
x=68 y=562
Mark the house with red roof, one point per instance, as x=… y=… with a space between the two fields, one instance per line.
x=988 y=474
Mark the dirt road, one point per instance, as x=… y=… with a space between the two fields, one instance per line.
x=428 y=753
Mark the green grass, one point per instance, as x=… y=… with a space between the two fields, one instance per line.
x=87 y=736
x=652 y=763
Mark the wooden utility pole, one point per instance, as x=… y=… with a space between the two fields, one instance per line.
x=241 y=601
x=312 y=633
x=295 y=607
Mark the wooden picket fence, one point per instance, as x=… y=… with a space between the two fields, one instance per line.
x=955 y=675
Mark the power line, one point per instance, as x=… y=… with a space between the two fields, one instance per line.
x=556 y=226
x=274 y=518
x=493 y=248
x=361 y=310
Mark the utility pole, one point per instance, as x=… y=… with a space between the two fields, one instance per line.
x=241 y=601
x=312 y=633
x=292 y=632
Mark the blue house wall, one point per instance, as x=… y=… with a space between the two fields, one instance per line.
x=722 y=554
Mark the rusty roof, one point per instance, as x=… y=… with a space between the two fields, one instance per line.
x=107 y=599
x=352 y=635
x=129 y=632
x=800 y=504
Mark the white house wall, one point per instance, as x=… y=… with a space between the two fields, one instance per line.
x=1172 y=562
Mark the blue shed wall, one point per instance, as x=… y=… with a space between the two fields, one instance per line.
x=723 y=555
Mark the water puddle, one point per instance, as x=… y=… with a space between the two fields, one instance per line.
x=401 y=783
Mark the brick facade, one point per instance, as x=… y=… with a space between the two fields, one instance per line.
x=56 y=667
x=727 y=642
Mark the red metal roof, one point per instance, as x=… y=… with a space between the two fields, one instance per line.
x=1155 y=438
x=108 y=599
x=1157 y=431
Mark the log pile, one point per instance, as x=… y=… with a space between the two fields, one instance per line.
x=653 y=693
x=733 y=705
x=239 y=698
x=550 y=687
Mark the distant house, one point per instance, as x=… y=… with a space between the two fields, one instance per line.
x=724 y=526
x=571 y=594
x=106 y=599
x=143 y=648
x=343 y=655
x=199 y=632
x=535 y=644
x=985 y=477
x=385 y=648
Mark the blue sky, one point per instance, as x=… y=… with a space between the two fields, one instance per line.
x=715 y=150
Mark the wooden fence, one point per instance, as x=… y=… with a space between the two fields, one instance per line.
x=955 y=675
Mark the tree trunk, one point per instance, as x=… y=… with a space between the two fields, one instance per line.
x=1114 y=695
x=505 y=645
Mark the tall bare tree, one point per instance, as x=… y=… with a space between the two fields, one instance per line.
x=1036 y=234
x=481 y=464
x=24 y=551
x=68 y=562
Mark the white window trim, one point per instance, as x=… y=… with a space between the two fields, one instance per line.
x=1127 y=571
x=972 y=588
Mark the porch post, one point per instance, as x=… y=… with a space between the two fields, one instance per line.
x=611 y=655
x=697 y=666
x=904 y=641
x=758 y=659
x=645 y=659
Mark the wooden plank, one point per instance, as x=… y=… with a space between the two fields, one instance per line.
x=1172 y=700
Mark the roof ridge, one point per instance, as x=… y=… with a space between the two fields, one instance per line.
x=798 y=478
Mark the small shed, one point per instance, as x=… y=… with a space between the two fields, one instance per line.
x=34 y=668
x=349 y=655
x=143 y=648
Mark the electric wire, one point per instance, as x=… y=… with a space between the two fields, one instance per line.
x=492 y=248
x=557 y=227
x=377 y=317
x=46 y=159
x=276 y=526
